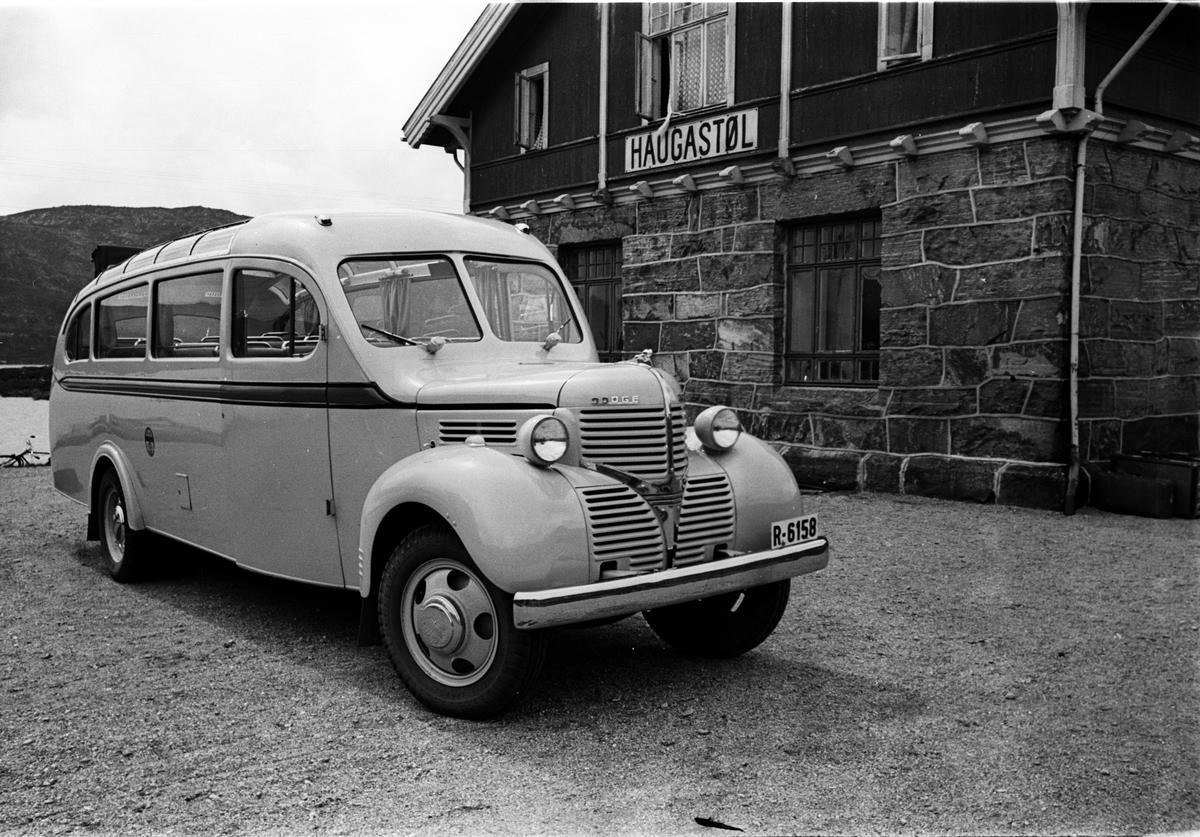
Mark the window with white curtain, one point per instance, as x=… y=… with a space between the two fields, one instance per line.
x=905 y=33
x=532 y=89
x=685 y=58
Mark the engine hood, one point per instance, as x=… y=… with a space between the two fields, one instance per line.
x=579 y=385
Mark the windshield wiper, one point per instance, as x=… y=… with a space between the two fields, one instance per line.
x=408 y=341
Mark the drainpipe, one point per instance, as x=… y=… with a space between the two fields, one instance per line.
x=785 y=84
x=1077 y=252
x=602 y=175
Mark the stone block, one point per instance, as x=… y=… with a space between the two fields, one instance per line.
x=966 y=367
x=668 y=214
x=697 y=306
x=832 y=470
x=1093 y=318
x=980 y=243
x=903 y=250
x=751 y=237
x=846 y=433
x=918 y=435
x=1130 y=398
x=674 y=364
x=1023 y=278
x=1135 y=320
x=584 y=226
x=1003 y=396
x=934 y=401
x=642 y=249
x=752 y=367
x=697 y=243
x=706 y=364
x=1174 y=395
x=749 y=335
x=1003 y=437
x=1181 y=318
x=661 y=277
x=1183 y=356
x=904 y=326
x=1140 y=205
x=829 y=193
x=1051 y=157
x=1097 y=398
x=1052 y=235
x=639 y=336
x=934 y=210
x=1111 y=277
x=1162 y=434
x=728 y=206
x=647 y=306
x=1170 y=281
x=1099 y=440
x=759 y=300
x=1003 y=164
x=793 y=428
x=1001 y=203
x=881 y=472
x=951 y=479
x=1048 y=399
x=1136 y=240
x=736 y=271
x=919 y=367
x=708 y=393
x=930 y=284
x=1033 y=486
x=687 y=336
x=972 y=323
x=1039 y=359
x=1120 y=359
x=1041 y=319
x=932 y=173
x=832 y=401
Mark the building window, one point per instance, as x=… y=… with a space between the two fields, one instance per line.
x=595 y=273
x=833 y=303
x=532 y=89
x=685 y=58
x=905 y=33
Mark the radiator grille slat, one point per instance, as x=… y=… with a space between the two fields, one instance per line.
x=644 y=442
x=706 y=517
x=622 y=527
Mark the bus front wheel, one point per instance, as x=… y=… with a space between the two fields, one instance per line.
x=449 y=631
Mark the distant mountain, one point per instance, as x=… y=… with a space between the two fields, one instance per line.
x=46 y=257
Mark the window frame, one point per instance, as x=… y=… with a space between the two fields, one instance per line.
x=154 y=325
x=857 y=355
x=522 y=127
x=239 y=353
x=652 y=93
x=924 y=50
x=614 y=328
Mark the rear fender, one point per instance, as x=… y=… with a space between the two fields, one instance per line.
x=133 y=507
x=522 y=525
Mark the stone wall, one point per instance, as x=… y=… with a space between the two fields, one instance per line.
x=972 y=400
x=1140 y=340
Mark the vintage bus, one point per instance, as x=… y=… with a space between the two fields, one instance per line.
x=410 y=405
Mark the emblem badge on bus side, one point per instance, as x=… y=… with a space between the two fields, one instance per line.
x=149 y=441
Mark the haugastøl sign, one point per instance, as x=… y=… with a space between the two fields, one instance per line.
x=687 y=142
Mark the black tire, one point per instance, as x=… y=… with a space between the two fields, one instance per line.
x=722 y=626
x=449 y=631
x=125 y=550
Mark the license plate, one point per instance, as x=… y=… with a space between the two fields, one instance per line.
x=797 y=530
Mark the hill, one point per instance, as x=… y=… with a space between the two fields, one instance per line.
x=46 y=257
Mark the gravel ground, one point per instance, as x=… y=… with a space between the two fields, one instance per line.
x=958 y=669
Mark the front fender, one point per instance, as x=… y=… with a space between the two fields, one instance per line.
x=133 y=507
x=522 y=525
x=764 y=490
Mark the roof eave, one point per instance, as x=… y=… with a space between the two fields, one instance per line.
x=481 y=37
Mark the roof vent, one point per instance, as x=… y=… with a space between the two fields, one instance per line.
x=324 y=220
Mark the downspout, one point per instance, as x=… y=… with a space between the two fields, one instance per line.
x=785 y=84
x=1077 y=252
x=602 y=175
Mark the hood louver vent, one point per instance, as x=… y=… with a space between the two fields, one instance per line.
x=452 y=432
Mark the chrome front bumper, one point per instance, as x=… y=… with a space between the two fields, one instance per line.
x=586 y=602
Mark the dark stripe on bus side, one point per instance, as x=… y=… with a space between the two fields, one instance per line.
x=344 y=396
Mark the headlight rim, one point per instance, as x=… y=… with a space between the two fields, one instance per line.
x=528 y=443
x=706 y=427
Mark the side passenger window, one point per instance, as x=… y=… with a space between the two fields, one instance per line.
x=274 y=315
x=79 y=334
x=121 y=324
x=187 y=317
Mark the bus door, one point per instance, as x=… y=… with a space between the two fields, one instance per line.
x=277 y=426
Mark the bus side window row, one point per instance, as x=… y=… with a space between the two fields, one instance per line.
x=274 y=316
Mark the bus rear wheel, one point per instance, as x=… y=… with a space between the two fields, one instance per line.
x=125 y=549
x=722 y=626
x=449 y=631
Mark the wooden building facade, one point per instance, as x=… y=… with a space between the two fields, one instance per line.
x=934 y=248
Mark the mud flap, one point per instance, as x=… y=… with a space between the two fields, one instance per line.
x=368 y=622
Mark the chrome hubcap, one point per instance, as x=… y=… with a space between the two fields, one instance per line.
x=450 y=623
x=115 y=520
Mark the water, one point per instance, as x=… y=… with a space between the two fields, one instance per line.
x=20 y=417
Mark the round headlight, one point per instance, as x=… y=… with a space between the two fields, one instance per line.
x=718 y=428
x=544 y=440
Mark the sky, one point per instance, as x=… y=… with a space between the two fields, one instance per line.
x=241 y=106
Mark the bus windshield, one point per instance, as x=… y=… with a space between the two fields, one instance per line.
x=523 y=302
x=406 y=302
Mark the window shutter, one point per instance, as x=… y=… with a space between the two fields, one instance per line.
x=518 y=107
x=643 y=103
